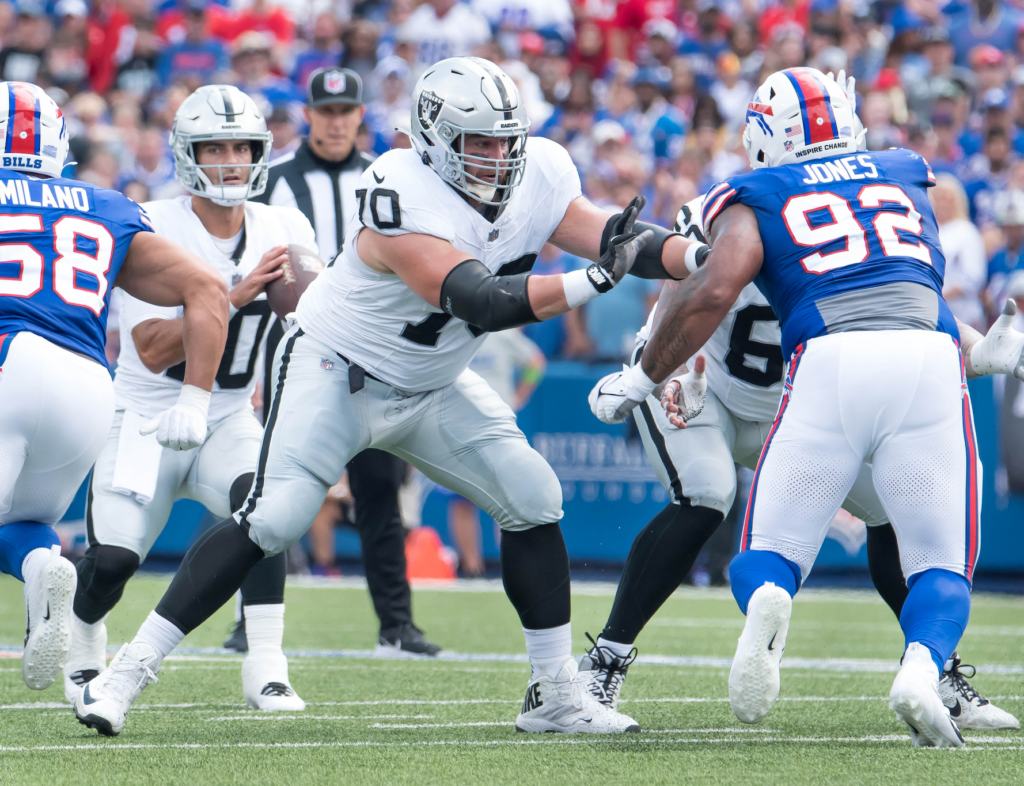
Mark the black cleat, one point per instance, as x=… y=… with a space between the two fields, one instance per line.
x=405 y=641
x=237 y=641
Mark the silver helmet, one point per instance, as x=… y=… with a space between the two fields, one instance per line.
x=220 y=112
x=469 y=95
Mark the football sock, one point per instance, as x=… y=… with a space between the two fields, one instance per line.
x=162 y=635
x=750 y=570
x=264 y=625
x=936 y=612
x=35 y=561
x=620 y=649
x=265 y=583
x=85 y=633
x=212 y=571
x=18 y=539
x=885 y=568
x=102 y=575
x=535 y=572
x=548 y=649
x=659 y=560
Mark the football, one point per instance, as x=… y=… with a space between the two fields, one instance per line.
x=302 y=267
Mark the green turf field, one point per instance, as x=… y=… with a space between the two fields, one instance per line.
x=375 y=721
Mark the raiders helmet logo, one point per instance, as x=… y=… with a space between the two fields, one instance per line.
x=334 y=82
x=429 y=108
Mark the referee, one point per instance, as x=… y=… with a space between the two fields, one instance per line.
x=320 y=178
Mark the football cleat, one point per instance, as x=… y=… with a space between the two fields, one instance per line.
x=48 y=600
x=562 y=704
x=754 y=677
x=404 y=641
x=915 y=699
x=968 y=708
x=604 y=672
x=265 y=682
x=87 y=658
x=237 y=641
x=104 y=702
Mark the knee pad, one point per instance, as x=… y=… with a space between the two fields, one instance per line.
x=709 y=484
x=538 y=501
x=102 y=574
x=240 y=490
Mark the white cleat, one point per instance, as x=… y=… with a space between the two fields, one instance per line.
x=562 y=704
x=604 y=673
x=87 y=658
x=104 y=702
x=265 y=681
x=968 y=708
x=754 y=677
x=915 y=699
x=48 y=600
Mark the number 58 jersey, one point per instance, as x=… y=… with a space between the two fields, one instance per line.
x=850 y=243
x=62 y=244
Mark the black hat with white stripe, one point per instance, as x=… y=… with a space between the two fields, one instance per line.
x=334 y=86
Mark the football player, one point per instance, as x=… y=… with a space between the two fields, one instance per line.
x=221 y=150
x=875 y=376
x=65 y=245
x=696 y=464
x=446 y=235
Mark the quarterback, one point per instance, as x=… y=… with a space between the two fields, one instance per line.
x=221 y=146
x=844 y=246
x=440 y=254
x=66 y=244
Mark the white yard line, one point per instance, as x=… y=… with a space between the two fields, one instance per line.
x=286 y=716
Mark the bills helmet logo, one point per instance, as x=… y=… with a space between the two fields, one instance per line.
x=758 y=111
x=334 y=82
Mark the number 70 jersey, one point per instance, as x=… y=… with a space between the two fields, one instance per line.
x=850 y=243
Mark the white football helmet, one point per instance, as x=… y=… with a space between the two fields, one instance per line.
x=33 y=129
x=220 y=112
x=468 y=95
x=797 y=115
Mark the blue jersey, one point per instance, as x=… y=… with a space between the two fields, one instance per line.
x=62 y=244
x=850 y=243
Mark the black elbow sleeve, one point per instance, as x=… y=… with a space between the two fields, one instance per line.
x=472 y=293
x=648 y=262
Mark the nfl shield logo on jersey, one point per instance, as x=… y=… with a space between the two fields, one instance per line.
x=334 y=82
x=493 y=236
x=326 y=364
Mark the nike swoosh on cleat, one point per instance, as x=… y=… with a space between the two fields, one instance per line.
x=586 y=720
x=954 y=710
x=770 y=643
x=86 y=697
x=378 y=179
x=46 y=616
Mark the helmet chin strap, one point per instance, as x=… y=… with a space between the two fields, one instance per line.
x=482 y=192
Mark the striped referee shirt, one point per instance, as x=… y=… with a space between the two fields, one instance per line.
x=325 y=192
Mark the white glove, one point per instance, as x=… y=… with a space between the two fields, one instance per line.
x=615 y=395
x=183 y=426
x=1001 y=351
x=683 y=397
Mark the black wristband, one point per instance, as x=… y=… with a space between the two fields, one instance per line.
x=648 y=262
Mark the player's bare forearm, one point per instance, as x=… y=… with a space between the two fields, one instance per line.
x=547 y=296
x=579 y=233
x=689 y=312
x=163 y=273
x=159 y=343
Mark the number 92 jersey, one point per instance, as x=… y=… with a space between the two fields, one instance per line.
x=62 y=244
x=375 y=319
x=850 y=243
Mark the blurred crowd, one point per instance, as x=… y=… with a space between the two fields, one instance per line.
x=648 y=96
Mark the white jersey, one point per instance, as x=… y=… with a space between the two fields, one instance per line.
x=374 y=319
x=745 y=366
x=138 y=389
x=453 y=35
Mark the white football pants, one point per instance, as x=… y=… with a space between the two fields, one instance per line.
x=55 y=412
x=895 y=399
x=461 y=436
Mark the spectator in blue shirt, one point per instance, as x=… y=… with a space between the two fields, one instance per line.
x=251 y=61
x=702 y=52
x=657 y=127
x=198 y=58
x=984 y=22
x=325 y=51
x=995 y=110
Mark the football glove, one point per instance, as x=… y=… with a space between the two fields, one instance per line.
x=622 y=249
x=615 y=395
x=1001 y=351
x=183 y=426
x=684 y=396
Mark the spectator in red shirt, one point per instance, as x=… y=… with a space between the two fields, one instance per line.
x=630 y=18
x=172 y=25
x=263 y=17
x=783 y=14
